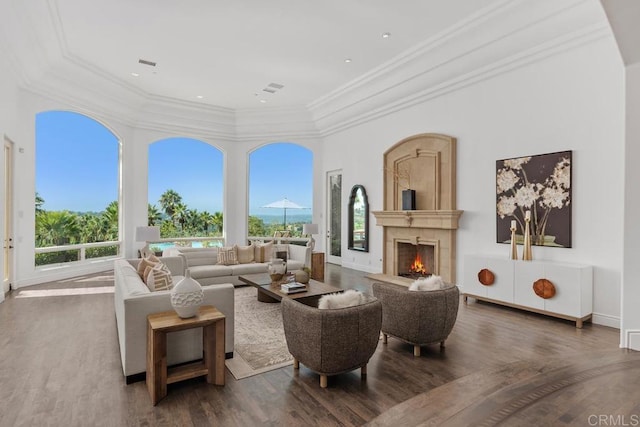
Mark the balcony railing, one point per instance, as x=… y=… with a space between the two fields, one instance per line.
x=61 y=255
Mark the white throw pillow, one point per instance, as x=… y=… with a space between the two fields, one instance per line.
x=349 y=298
x=431 y=283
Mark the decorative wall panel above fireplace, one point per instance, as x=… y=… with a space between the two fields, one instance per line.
x=425 y=163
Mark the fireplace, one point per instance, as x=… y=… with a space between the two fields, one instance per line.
x=425 y=163
x=415 y=261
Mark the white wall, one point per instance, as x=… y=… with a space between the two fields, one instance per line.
x=630 y=330
x=568 y=101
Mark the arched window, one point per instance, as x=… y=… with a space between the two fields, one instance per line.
x=280 y=189
x=77 y=182
x=185 y=189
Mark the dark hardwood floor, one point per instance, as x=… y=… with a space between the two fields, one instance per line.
x=60 y=366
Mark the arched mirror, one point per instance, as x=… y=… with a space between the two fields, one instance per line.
x=358 y=219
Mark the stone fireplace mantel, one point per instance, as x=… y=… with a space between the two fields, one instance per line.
x=443 y=220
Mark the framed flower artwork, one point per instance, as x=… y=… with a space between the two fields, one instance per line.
x=540 y=184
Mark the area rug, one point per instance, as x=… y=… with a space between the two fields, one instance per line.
x=260 y=345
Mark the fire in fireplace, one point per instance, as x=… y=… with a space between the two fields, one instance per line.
x=415 y=261
x=417 y=267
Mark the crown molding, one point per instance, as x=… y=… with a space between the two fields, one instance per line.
x=492 y=45
x=366 y=112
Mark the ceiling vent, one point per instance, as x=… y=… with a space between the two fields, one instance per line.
x=273 y=87
x=145 y=62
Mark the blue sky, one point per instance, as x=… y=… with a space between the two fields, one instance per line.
x=77 y=169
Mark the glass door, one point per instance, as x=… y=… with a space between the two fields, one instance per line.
x=334 y=217
x=7 y=222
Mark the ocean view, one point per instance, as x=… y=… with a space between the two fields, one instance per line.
x=291 y=218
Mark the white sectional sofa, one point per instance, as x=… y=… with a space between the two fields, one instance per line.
x=134 y=302
x=204 y=267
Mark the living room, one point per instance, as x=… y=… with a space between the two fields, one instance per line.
x=506 y=80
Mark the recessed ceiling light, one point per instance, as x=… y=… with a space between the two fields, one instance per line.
x=199 y=96
x=135 y=74
x=386 y=35
x=263 y=101
x=347 y=60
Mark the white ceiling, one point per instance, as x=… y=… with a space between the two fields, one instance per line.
x=228 y=51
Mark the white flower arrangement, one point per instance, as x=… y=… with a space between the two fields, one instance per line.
x=517 y=194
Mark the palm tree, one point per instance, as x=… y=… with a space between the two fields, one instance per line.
x=217 y=221
x=169 y=200
x=180 y=214
x=206 y=219
x=154 y=216
x=110 y=220
x=194 y=222
x=39 y=203
x=56 y=228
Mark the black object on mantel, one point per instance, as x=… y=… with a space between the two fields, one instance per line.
x=408 y=200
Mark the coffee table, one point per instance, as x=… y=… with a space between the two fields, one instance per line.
x=271 y=293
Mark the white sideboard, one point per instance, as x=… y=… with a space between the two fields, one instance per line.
x=513 y=286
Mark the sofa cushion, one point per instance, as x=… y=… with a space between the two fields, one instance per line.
x=294 y=264
x=227 y=256
x=132 y=284
x=246 y=254
x=200 y=256
x=158 y=277
x=204 y=271
x=251 y=268
x=263 y=252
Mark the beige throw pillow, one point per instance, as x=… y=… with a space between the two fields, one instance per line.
x=246 y=254
x=227 y=256
x=144 y=263
x=263 y=252
x=158 y=277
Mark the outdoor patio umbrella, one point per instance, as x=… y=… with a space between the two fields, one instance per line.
x=284 y=204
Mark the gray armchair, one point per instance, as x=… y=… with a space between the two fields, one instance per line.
x=417 y=317
x=332 y=341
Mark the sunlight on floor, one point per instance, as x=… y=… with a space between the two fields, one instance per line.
x=65 y=292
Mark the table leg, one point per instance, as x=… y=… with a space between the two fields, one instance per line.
x=213 y=342
x=156 y=365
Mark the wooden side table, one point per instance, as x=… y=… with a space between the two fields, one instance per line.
x=159 y=324
x=317 y=266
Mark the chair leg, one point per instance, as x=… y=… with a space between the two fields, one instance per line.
x=384 y=338
x=296 y=363
x=323 y=381
x=416 y=350
x=363 y=370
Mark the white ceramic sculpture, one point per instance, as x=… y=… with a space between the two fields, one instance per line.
x=186 y=296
